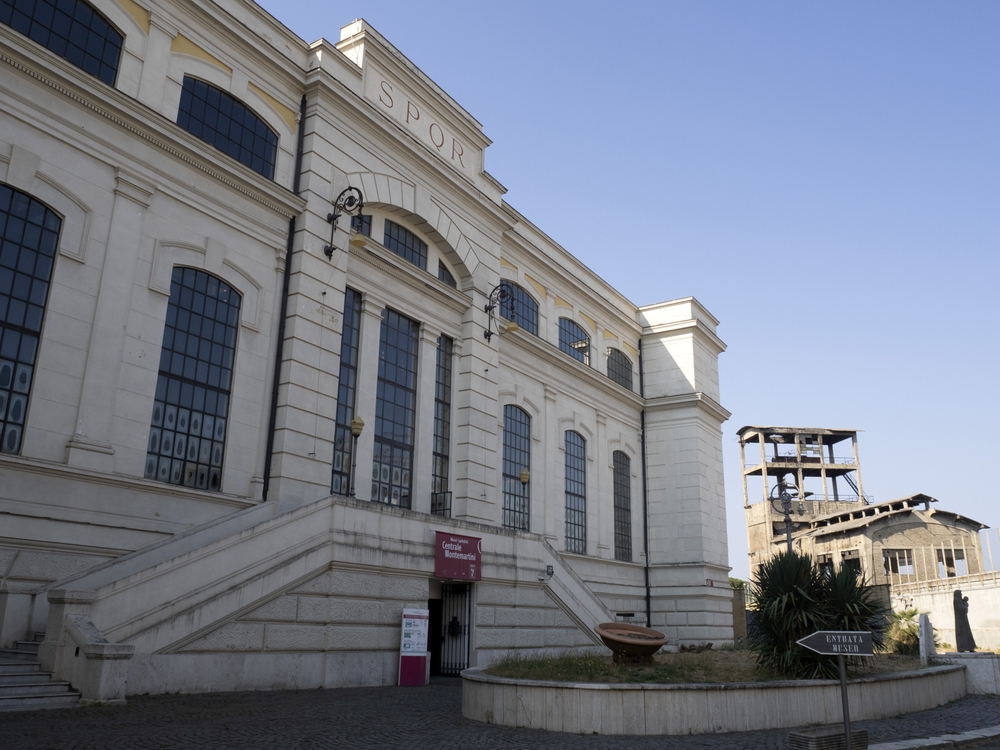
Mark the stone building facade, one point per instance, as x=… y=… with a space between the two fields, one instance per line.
x=188 y=336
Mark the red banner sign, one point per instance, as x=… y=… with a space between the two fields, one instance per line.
x=458 y=557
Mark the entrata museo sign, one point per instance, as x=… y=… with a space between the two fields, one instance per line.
x=839 y=642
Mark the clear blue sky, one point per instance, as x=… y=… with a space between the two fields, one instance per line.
x=824 y=177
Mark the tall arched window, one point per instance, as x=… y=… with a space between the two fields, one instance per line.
x=395 y=410
x=622 y=467
x=405 y=244
x=620 y=368
x=516 y=458
x=228 y=124
x=576 y=493
x=30 y=235
x=72 y=29
x=520 y=307
x=574 y=340
x=187 y=435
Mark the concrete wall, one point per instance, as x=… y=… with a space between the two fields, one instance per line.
x=936 y=598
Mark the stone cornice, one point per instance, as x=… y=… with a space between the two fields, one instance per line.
x=692 y=325
x=697 y=399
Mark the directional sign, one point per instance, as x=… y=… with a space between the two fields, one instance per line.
x=839 y=642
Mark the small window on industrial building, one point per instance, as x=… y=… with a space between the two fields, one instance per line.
x=951 y=563
x=72 y=29
x=898 y=562
x=228 y=124
x=574 y=340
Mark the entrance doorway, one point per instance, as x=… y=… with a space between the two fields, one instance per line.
x=450 y=629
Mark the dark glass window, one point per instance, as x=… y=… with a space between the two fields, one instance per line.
x=445 y=275
x=343 y=441
x=574 y=340
x=520 y=307
x=440 y=495
x=29 y=236
x=362 y=224
x=516 y=456
x=188 y=429
x=622 y=467
x=395 y=410
x=620 y=368
x=225 y=122
x=576 y=493
x=405 y=244
x=72 y=29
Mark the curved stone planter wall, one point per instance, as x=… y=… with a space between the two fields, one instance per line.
x=590 y=708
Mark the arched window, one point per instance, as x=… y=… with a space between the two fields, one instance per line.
x=574 y=340
x=405 y=244
x=30 y=235
x=622 y=467
x=72 y=29
x=516 y=458
x=188 y=431
x=520 y=307
x=228 y=124
x=620 y=368
x=576 y=493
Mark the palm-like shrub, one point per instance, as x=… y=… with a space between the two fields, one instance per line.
x=794 y=599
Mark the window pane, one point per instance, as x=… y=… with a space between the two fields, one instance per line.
x=516 y=457
x=622 y=466
x=620 y=368
x=343 y=440
x=440 y=495
x=24 y=287
x=576 y=493
x=89 y=42
x=192 y=397
x=405 y=244
x=574 y=340
x=241 y=134
x=395 y=410
x=517 y=305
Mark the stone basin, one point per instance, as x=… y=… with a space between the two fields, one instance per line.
x=630 y=643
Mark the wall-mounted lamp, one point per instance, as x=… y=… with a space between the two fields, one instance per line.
x=546 y=574
x=350 y=202
x=524 y=476
x=500 y=295
x=357 y=426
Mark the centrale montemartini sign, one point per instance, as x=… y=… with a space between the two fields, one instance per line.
x=457 y=556
x=839 y=642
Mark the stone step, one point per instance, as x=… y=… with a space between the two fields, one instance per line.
x=30 y=688
x=36 y=702
x=11 y=654
x=19 y=666
x=24 y=678
x=30 y=647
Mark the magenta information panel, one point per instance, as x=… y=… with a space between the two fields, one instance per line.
x=457 y=556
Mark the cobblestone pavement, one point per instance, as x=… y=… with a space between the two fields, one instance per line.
x=388 y=717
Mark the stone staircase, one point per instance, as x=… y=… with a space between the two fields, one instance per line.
x=24 y=687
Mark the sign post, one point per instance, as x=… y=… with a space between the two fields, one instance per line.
x=841 y=643
x=413 y=647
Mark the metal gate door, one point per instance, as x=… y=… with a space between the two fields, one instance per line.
x=456 y=611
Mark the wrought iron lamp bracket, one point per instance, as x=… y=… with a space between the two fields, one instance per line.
x=350 y=202
x=500 y=295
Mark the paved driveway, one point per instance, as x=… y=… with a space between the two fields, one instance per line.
x=389 y=717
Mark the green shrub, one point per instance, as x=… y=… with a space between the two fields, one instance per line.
x=792 y=599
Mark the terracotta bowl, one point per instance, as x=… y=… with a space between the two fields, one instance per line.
x=630 y=643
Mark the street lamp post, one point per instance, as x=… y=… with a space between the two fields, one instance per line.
x=784 y=492
x=357 y=425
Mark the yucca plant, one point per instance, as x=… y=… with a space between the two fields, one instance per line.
x=794 y=599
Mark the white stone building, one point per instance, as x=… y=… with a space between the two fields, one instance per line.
x=184 y=348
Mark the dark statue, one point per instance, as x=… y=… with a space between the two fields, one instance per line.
x=963 y=633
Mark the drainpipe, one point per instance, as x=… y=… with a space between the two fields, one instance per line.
x=645 y=492
x=279 y=351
